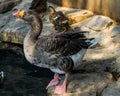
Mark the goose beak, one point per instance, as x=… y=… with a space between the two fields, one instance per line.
x=19 y=14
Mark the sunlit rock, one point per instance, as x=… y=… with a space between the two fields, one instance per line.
x=115 y=33
x=97 y=23
x=79 y=16
x=118 y=62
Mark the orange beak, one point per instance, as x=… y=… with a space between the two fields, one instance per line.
x=19 y=14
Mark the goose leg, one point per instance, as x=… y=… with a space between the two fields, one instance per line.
x=61 y=89
x=54 y=81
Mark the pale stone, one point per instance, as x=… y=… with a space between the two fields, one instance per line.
x=97 y=23
x=112 y=90
x=79 y=16
x=115 y=30
x=118 y=63
x=115 y=33
x=12 y=29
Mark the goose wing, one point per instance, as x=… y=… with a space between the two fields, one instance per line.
x=64 y=44
x=72 y=35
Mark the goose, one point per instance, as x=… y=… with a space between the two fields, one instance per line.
x=39 y=6
x=59 y=20
x=59 y=52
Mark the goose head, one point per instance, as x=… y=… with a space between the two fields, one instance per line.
x=26 y=15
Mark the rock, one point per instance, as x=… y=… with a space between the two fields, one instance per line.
x=117 y=52
x=98 y=60
x=115 y=33
x=16 y=30
x=25 y=4
x=112 y=90
x=12 y=29
x=79 y=16
x=115 y=30
x=17 y=49
x=118 y=63
x=85 y=84
x=96 y=23
x=1 y=1
x=15 y=33
x=8 y=5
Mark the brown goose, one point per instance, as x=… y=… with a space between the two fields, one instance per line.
x=39 y=6
x=60 y=52
x=59 y=20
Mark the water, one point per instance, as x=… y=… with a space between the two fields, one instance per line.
x=22 y=78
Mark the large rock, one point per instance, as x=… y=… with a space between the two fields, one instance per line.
x=85 y=84
x=12 y=29
x=79 y=16
x=115 y=33
x=118 y=63
x=8 y=5
x=112 y=90
x=96 y=23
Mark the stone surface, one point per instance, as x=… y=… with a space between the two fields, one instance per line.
x=85 y=84
x=112 y=90
x=118 y=63
x=115 y=30
x=79 y=16
x=97 y=23
x=115 y=33
x=10 y=29
x=8 y=5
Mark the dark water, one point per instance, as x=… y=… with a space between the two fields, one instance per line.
x=22 y=78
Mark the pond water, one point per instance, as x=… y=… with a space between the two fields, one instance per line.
x=22 y=78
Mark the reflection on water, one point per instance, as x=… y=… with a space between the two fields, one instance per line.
x=2 y=78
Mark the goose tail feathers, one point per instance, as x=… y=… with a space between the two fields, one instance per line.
x=93 y=42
